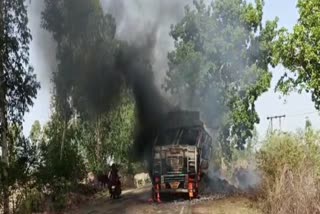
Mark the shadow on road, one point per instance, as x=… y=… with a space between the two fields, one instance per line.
x=130 y=201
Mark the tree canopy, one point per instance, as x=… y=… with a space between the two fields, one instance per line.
x=85 y=78
x=298 y=51
x=220 y=63
x=18 y=86
x=18 y=82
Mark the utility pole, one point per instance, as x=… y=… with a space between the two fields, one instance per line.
x=270 y=118
x=276 y=117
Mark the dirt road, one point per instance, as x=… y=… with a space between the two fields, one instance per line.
x=137 y=201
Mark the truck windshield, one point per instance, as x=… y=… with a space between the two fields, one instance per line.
x=184 y=136
x=167 y=137
x=189 y=137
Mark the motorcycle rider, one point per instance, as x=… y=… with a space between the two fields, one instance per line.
x=113 y=177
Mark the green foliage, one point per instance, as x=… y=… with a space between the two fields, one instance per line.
x=22 y=165
x=114 y=134
x=20 y=159
x=216 y=157
x=220 y=64
x=88 y=86
x=82 y=152
x=20 y=84
x=35 y=133
x=121 y=135
x=86 y=81
x=84 y=36
x=278 y=152
x=289 y=150
x=55 y=175
x=298 y=51
x=32 y=201
x=290 y=172
x=71 y=167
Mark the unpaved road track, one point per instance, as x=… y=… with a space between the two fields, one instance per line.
x=137 y=201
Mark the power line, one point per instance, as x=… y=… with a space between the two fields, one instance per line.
x=303 y=114
x=271 y=118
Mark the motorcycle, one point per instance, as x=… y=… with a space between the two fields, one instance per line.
x=115 y=190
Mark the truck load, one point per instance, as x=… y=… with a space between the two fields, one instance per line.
x=180 y=156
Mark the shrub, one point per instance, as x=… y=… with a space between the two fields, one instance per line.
x=279 y=151
x=59 y=201
x=293 y=191
x=289 y=164
x=32 y=201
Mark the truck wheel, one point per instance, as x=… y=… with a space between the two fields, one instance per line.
x=154 y=195
x=196 y=194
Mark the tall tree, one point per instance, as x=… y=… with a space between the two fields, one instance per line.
x=220 y=64
x=117 y=135
x=18 y=84
x=68 y=171
x=298 y=51
x=84 y=80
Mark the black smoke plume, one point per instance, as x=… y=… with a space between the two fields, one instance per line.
x=96 y=52
x=140 y=21
x=134 y=63
x=145 y=25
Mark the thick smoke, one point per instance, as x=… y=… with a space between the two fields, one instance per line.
x=142 y=29
x=247 y=178
x=43 y=47
x=145 y=26
x=137 y=20
x=151 y=106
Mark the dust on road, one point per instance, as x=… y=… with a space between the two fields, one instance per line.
x=137 y=202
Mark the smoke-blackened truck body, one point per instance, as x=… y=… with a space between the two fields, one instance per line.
x=180 y=155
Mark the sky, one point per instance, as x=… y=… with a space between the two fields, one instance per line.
x=42 y=67
x=296 y=107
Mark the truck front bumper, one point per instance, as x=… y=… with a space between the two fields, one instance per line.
x=173 y=190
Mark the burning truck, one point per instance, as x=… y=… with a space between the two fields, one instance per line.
x=180 y=155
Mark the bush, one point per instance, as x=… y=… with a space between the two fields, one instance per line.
x=32 y=202
x=59 y=201
x=84 y=189
x=289 y=164
x=294 y=191
x=280 y=151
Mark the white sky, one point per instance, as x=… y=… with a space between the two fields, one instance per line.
x=269 y=104
x=298 y=106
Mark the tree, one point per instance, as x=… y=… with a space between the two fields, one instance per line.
x=220 y=64
x=308 y=124
x=116 y=134
x=298 y=51
x=85 y=81
x=53 y=169
x=35 y=133
x=85 y=39
x=18 y=84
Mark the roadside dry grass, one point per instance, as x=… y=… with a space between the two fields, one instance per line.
x=295 y=191
x=291 y=174
x=233 y=205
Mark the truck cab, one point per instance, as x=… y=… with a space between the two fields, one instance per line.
x=181 y=153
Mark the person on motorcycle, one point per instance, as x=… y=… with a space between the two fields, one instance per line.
x=113 y=177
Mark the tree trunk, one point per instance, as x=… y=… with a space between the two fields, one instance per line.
x=98 y=143
x=4 y=145
x=3 y=116
x=65 y=123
